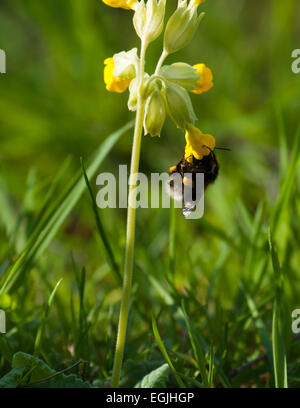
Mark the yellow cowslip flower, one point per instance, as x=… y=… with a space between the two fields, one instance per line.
x=114 y=84
x=197 y=2
x=198 y=144
x=125 y=4
x=205 y=83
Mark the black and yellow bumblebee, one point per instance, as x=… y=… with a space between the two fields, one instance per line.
x=208 y=165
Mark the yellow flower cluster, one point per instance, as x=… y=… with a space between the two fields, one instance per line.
x=198 y=2
x=125 y=4
x=114 y=84
x=198 y=144
x=205 y=83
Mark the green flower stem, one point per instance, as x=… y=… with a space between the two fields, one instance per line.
x=160 y=62
x=130 y=232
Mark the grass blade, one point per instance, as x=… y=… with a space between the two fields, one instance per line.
x=172 y=234
x=197 y=350
x=211 y=368
x=279 y=355
x=288 y=183
x=164 y=353
x=282 y=142
x=38 y=339
x=259 y=323
x=48 y=226
x=101 y=230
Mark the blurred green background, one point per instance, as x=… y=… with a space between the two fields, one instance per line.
x=53 y=100
x=53 y=104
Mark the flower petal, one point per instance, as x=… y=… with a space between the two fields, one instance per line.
x=114 y=84
x=125 y=4
x=198 y=144
x=205 y=83
x=195 y=3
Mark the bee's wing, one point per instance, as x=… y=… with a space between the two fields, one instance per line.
x=184 y=193
x=193 y=196
x=189 y=204
x=186 y=212
x=174 y=187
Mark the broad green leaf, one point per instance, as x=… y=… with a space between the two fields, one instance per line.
x=13 y=378
x=39 y=375
x=38 y=367
x=134 y=370
x=156 y=379
x=62 y=381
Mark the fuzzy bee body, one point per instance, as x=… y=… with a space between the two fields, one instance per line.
x=208 y=166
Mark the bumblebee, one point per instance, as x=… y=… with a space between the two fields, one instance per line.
x=208 y=165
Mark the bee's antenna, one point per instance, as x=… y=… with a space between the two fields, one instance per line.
x=208 y=148
x=223 y=148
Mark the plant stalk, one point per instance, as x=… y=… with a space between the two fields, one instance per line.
x=160 y=62
x=130 y=232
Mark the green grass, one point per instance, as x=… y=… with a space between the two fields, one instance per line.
x=212 y=298
x=205 y=342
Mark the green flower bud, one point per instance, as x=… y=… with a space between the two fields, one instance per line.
x=155 y=113
x=133 y=89
x=125 y=64
x=181 y=27
x=148 y=19
x=179 y=105
x=132 y=101
x=180 y=73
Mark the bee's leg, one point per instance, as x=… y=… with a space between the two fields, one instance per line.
x=187 y=210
